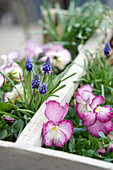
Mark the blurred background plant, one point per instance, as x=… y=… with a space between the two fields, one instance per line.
x=72 y=27
x=26 y=14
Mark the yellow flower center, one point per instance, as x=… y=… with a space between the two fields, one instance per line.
x=54 y=128
x=97 y=110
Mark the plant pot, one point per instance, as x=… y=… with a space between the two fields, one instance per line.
x=27 y=153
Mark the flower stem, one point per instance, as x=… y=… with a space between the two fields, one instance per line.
x=30 y=84
x=39 y=101
x=43 y=79
x=31 y=98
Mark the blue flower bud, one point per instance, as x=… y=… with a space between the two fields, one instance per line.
x=46 y=66
x=43 y=88
x=107 y=48
x=35 y=81
x=28 y=64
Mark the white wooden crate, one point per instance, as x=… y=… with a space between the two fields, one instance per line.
x=27 y=152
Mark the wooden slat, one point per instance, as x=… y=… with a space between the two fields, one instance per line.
x=31 y=135
x=15 y=157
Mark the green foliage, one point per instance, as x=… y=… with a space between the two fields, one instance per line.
x=75 y=25
x=99 y=74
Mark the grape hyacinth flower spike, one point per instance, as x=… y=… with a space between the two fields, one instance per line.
x=56 y=131
x=43 y=88
x=47 y=66
x=35 y=81
x=107 y=48
x=28 y=64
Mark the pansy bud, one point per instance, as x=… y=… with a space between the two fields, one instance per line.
x=110 y=148
x=8 y=118
x=47 y=66
x=107 y=48
x=102 y=151
x=35 y=81
x=28 y=64
x=43 y=88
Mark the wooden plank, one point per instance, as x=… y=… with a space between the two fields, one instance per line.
x=15 y=157
x=31 y=135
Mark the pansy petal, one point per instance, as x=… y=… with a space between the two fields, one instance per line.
x=9 y=95
x=103 y=113
x=89 y=119
x=55 y=112
x=17 y=70
x=88 y=96
x=56 y=138
x=47 y=127
x=14 y=55
x=79 y=98
x=98 y=126
x=67 y=127
x=98 y=100
x=81 y=108
x=2 y=80
x=87 y=87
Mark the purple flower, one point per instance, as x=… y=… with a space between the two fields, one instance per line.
x=35 y=81
x=110 y=148
x=46 y=66
x=56 y=131
x=43 y=88
x=102 y=151
x=107 y=48
x=28 y=64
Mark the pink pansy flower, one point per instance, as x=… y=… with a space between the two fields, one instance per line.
x=99 y=118
x=14 y=69
x=14 y=95
x=32 y=49
x=110 y=148
x=8 y=66
x=56 y=131
x=59 y=56
x=93 y=116
x=14 y=55
x=84 y=99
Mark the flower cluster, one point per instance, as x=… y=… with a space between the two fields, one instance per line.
x=59 y=56
x=96 y=118
x=56 y=131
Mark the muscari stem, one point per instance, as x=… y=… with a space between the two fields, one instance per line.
x=39 y=101
x=31 y=98
x=30 y=83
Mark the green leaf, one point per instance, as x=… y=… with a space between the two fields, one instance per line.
x=72 y=145
x=17 y=125
x=88 y=153
x=4 y=106
x=3 y=133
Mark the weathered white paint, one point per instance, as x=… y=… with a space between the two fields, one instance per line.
x=16 y=157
